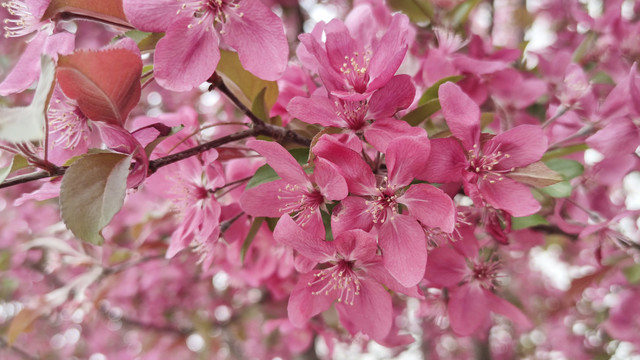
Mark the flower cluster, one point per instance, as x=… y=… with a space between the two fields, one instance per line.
x=239 y=179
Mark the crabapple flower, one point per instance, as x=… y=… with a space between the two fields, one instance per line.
x=376 y=203
x=190 y=185
x=470 y=282
x=351 y=276
x=42 y=40
x=69 y=128
x=355 y=115
x=483 y=162
x=296 y=193
x=351 y=69
x=188 y=54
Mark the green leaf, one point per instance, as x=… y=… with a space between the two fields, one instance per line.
x=632 y=273
x=569 y=169
x=552 y=154
x=259 y=108
x=135 y=35
x=244 y=84
x=417 y=10
x=422 y=112
x=518 y=223
x=461 y=13
x=255 y=226
x=266 y=174
x=432 y=92
x=150 y=41
x=19 y=162
x=92 y=192
x=562 y=189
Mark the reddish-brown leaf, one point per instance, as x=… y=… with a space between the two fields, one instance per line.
x=109 y=11
x=106 y=84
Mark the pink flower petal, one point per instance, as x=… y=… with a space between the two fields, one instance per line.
x=404 y=249
x=461 y=113
x=63 y=43
x=186 y=57
x=524 y=144
x=258 y=36
x=445 y=267
x=152 y=15
x=370 y=313
x=447 y=161
x=27 y=69
x=357 y=245
x=327 y=176
x=430 y=206
x=406 y=159
x=383 y=131
x=501 y=306
x=291 y=234
x=262 y=200
x=620 y=137
x=339 y=44
x=182 y=236
x=281 y=161
x=379 y=273
x=510 y=196
x=316 y=110
x=355 y=170
x=389 y=53
x=468 y=309
x=303 y=305
x=351 y=213
x=397 y=94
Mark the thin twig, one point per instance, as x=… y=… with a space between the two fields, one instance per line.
x=21 y=179
x=259 y=127
x=183 y=331
x=154 y=165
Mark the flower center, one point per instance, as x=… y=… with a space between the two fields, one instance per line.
x=68 y=122
x=485 y=164
x=486 y=273
x=353 y=112
x=25 y=23
x=383 y=206
x=339 y=278
x=213 y=11
x=302 y=202
x=355 y=68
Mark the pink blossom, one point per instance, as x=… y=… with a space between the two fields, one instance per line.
x=481 y=161
x=352 y=274
x=296 y=192
x=352 y=68
x=43 y=39
x=470 y=282
x=188 y=54
x=355 y=115
x=376 y=203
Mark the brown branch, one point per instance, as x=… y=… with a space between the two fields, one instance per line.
x=21 y=179
x=259 y=127
x=154 y=165
x=182 y=331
